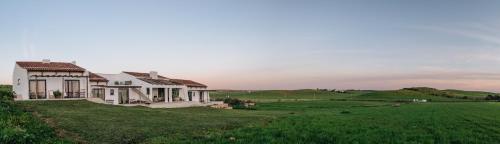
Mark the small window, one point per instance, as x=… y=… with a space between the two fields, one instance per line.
x=147 y=91
x=18 y=81
x=128 y=83
x=112 y=92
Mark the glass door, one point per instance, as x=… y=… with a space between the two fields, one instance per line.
x=37 y=89
x=72 y=88
x=123 y=96
x=98 y=93
x=202 y=99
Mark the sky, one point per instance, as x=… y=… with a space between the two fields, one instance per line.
x=265 y=44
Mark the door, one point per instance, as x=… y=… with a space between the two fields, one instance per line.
x=190 y=96
x=37 y=89
x=72 y=88
x=161 y=94
x=98 y=93
x=123 y=96
x=201 y=97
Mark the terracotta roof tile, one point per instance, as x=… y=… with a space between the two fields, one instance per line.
x=157 y=81
x=52 y=66
x=164 y=80
x=188 y=83
x=143 y=75
x=96 y=78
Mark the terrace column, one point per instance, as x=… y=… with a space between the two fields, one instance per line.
x=205 y=96
x=208 y=96
x=167 y=95
x=170 y=95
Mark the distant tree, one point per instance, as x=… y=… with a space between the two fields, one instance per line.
x=492 y=97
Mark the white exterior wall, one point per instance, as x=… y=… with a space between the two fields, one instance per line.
x=20 y=83
x=93 y=83
x=111 y=98
x=54 y=84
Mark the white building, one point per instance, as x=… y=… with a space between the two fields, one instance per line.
x=45 y=80
x=135 y=87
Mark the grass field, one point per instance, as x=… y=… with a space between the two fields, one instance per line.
x=374 y=122
x=319 y=121
x=389 y=95
x=285 y=95
x=301 y=116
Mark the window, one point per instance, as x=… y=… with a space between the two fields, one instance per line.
x=37 y=89
x=127 y=83
x=147 y=91
x=18 y=81
x=112 y=92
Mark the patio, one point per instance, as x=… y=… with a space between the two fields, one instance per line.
x=176 y=104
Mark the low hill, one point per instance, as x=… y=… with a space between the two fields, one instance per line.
x=472 y=94
x=425 y=93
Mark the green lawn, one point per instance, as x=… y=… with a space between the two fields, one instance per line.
x=300 y=116
x=97 y=123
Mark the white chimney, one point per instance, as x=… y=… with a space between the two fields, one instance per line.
x=153 y=74
x=46 y=61
x=73 y=62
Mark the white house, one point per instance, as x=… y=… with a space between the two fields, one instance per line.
x=45 y=80
x=39 y=80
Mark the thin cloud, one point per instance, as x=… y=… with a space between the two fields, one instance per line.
x=476 y=31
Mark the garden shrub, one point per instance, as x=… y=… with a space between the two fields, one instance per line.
x=239 y=104
x=18 y=126
x=233 y=101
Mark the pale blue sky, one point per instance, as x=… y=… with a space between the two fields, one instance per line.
x=265 y=44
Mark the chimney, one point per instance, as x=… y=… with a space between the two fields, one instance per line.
x=73 y=62
x=153 y=74
x=46 y=61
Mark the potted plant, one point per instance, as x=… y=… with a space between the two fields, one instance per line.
x=57 y=94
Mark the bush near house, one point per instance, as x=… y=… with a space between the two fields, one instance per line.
x=19 y=126
x=57 y=94
x=240 y=104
